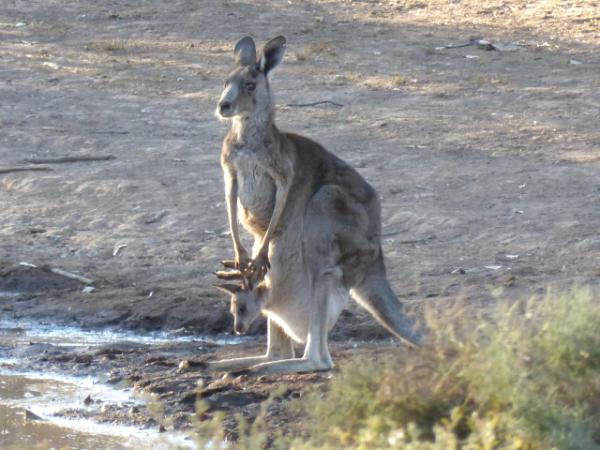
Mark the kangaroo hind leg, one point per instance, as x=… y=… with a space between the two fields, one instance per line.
x=316 y=353
x=279 y=346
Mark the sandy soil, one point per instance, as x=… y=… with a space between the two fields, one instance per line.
x=487 y=162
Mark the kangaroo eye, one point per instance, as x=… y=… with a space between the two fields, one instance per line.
x=242 y=309
x=250 y=86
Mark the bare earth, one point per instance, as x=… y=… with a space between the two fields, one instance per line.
x=487 y=161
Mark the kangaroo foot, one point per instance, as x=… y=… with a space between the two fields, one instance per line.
x=298 y=365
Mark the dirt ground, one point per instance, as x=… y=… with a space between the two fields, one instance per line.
x=487 y=161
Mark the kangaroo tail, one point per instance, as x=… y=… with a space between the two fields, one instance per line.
x=375 y=294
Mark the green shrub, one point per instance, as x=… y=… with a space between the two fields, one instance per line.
x=526 y=376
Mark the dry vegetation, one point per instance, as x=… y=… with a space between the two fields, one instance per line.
x=526 y=377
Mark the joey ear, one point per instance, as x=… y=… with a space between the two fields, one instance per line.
x=245 y=52
x=228 y=288
x=272 y=54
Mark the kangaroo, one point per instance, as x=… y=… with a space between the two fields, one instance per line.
x=316 y=225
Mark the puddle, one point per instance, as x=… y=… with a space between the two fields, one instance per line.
x=30 y=416
x=36 y=407
x=33 y=415
x=24 y=332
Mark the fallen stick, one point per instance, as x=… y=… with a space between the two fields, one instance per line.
x=62 y=273
x=69 y=159
x=64 y=130
x=4 y=170
x=72 y=276
x=322 y=102
x=417 y=241
x=109 y=132
x=451 y=46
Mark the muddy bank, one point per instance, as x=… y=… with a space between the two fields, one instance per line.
x=161 y=372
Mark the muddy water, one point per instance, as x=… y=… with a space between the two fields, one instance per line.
x=36 y=406
x=28 y=419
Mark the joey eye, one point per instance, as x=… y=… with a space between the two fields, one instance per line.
x=250 y=86
x=242 y=309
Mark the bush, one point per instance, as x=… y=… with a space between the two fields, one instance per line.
x=526 y=377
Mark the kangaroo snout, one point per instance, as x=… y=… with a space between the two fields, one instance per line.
x=225 y=108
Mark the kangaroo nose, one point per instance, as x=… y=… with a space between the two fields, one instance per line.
x=225 y=107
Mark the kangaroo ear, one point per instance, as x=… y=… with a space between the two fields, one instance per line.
x=228 y=288
x=245 y=52
x=272 y=54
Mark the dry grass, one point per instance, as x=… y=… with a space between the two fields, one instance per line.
x=314 y=51
x=109 y=45
x=526 y=377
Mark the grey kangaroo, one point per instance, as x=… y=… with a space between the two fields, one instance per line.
x=316 y=225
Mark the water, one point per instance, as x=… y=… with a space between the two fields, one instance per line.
x=33 y=404
x=28 y=419
x=23 y=332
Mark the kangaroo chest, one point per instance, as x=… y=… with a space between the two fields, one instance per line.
x=256 y=190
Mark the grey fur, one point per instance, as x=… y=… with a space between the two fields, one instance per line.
x=316 y=223
x=245 y=51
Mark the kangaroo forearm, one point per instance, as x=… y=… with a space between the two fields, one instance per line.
x=231 y=198
x=235 y=234
x=280 y=202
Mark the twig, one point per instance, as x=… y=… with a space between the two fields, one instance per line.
x=322 y=102
x=57 y=130
x=109 y=132
x=64 y=130
x=417 y=241
x=68 y=159
x=62 y=273
x=72 y=276
x=23 y=169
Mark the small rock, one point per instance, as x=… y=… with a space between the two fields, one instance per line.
x=51 y=65
x=31 y=416
x=88 y=289
x=183 y=366
x=88 y=400
x=20 y=24
x=485 y=45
